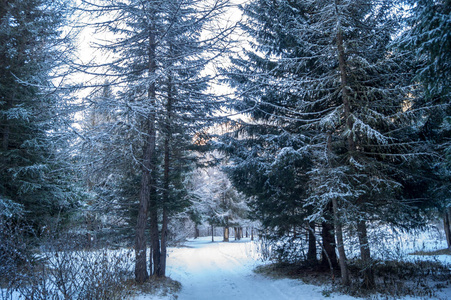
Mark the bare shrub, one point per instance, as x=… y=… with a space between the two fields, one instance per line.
x=63 y=270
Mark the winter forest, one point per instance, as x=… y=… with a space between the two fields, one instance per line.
x=314 y=135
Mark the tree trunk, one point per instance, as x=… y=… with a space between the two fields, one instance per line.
x=328 y=238
x=365 y=254
x=166 y=178
x=446 y=225
x=164 y=236
x=196 y=231
x=212 y=233
x=154 y=239
x=145 y=194
x=140 y=239
x=226 y=234
x=252 y=233
x=344 y=82
x=237 y=233
x=161 y=270
x=311 y=254
x=340 y=245
x=146 y=190
x=350 y=141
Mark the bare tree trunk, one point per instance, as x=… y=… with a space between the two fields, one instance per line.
x=365 y=254
x=340 y=245
x=237 y=233
x=196 y=231
x=140 y=239
x=164 y=236
x=154 y=239
x=252 y=233
x=226 y=234
x=166 y=178
x=161 y=270
x=446 y=225
x=212 y=233
x=311 y=254
x=328 y=237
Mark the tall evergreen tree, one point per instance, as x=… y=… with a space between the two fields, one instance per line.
x=162 y=92
x=34 y=161
x=322 y=70
x=428 y=38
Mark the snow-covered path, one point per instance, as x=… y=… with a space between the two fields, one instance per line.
x=217 y=271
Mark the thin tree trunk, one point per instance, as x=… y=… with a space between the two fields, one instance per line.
x=163 y=253
x=446 y=225
x=350 y=141
x=166 y=179
x=226 y=234
x=344 y=82
x=311 y=254
x=237 y=233
x=328 y=237
x=212 y=233
x=340 y=245
x=153 y=205
x=252 y=233
x=365 y=254
x=226 y=230
x=164 y=228
x=154 y=238
x=144 y=195
x=196 y=231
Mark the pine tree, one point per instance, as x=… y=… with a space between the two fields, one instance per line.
x=34 y=113
x=159 y=58
x=428 y=38
x=323 y=70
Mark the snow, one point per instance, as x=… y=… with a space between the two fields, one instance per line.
x=217 y=270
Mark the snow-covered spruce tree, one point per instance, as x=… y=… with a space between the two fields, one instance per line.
x=158 y=58
x=273 y=135
x=34 y=162
x=428 y=37
x=321 y=70
x=271 y=168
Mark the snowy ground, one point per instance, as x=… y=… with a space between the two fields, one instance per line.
x=219 y=271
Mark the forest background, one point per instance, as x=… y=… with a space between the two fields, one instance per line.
x=313 y=124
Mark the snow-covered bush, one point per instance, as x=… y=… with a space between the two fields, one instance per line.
x=64 y=271
x=13 y=247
